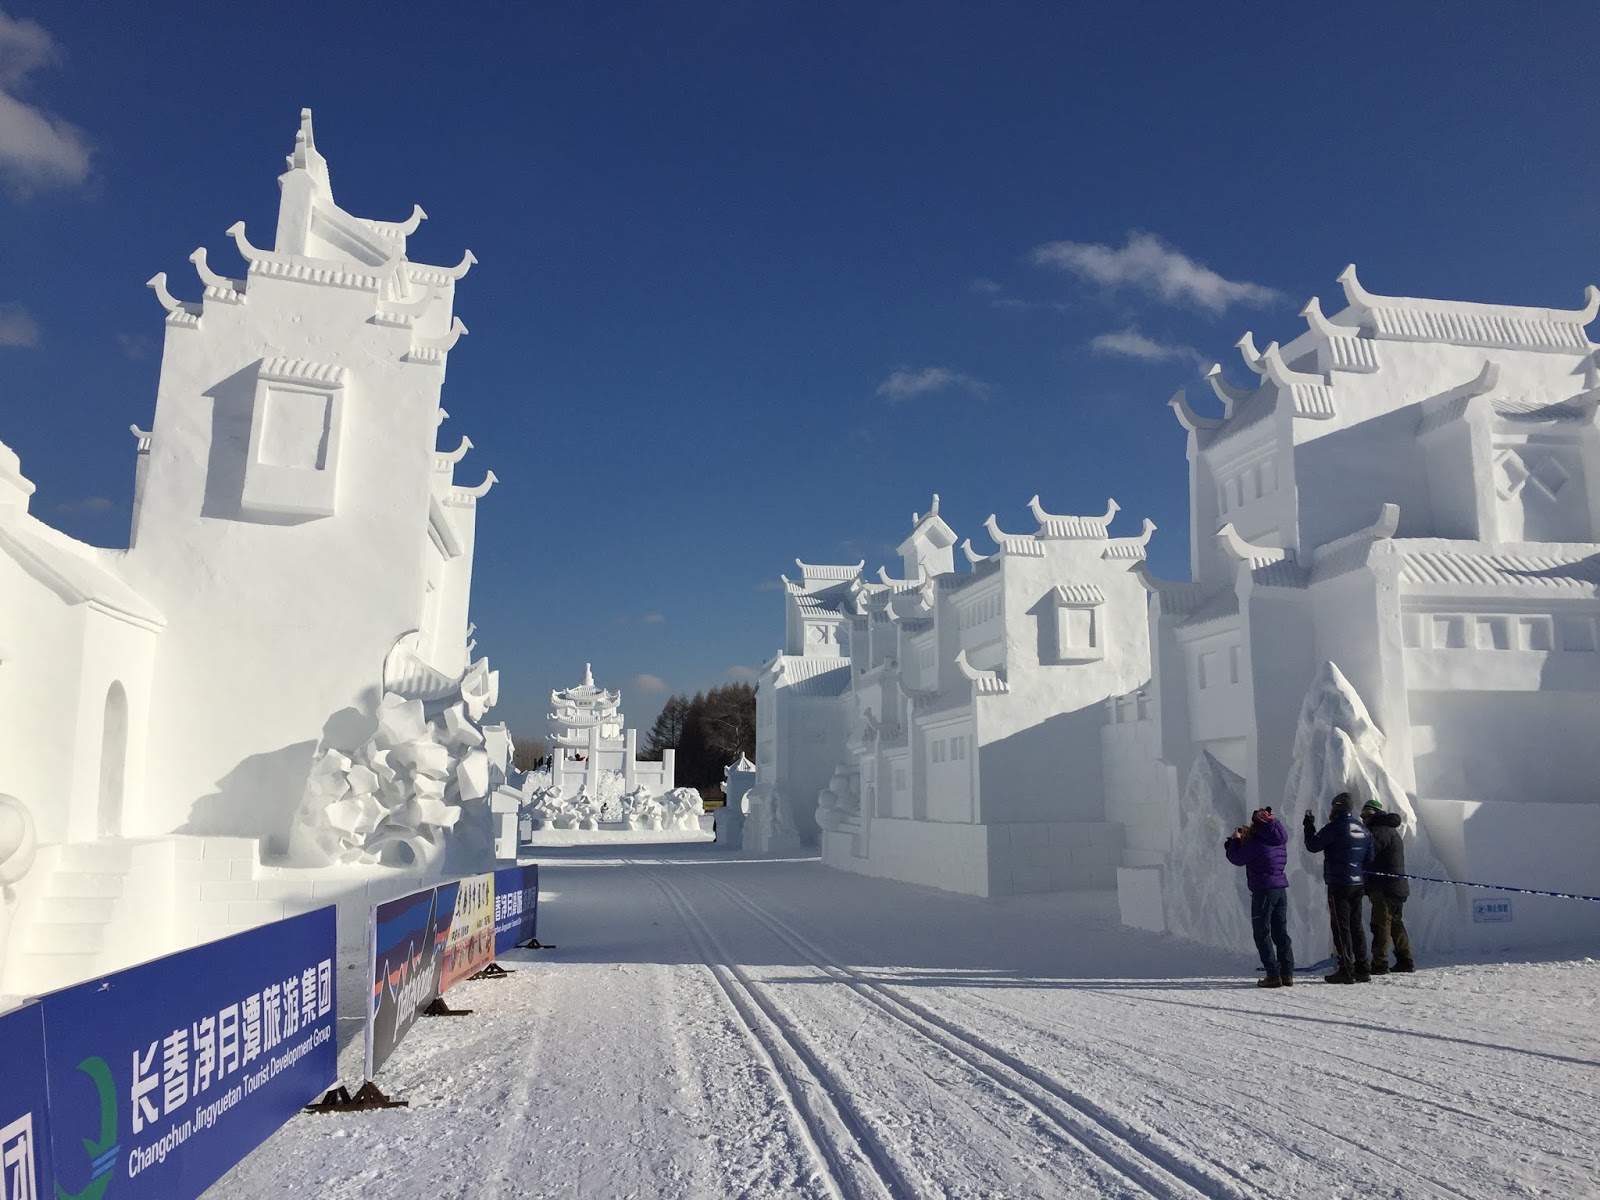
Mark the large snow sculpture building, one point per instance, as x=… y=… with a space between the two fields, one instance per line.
x=299 y=548
x=589 y=734
x=1409 y=489
x=943 y=727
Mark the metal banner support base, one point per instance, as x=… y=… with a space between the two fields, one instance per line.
x=533 y=944
x=493 y=971
x=438 y=1008
x=368 y=1096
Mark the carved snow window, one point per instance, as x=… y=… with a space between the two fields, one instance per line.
x=938 y=750
x=1078 y=615
x=1536 y=633
x=1577 y=633
x=296 y=421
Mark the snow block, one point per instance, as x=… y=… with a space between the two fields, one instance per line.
x=1139 y=898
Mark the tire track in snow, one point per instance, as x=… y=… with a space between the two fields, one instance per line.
x=1404 y=1181
x=1147 y=1159
x=851 y=1161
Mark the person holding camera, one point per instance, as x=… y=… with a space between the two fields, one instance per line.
x=1262 y=849
x=1346 y=849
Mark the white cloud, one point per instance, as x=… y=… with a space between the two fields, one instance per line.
x=907 y=383
x=89 y=504
x=1130 y=343
x=740 y=674
x=1147 y=264
x=653 y=618
x=770 y=585
x=17 y=326
x=37 y=149
x=647 y=684
x=134 y=345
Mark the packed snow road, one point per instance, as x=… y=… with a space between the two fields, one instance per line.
x=713 y=1026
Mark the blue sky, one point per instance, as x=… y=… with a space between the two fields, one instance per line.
x=757 y=278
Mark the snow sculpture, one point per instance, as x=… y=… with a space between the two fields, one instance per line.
x=738 y=779
x=682 y=808
x=769 y=826
x=18 y=844
x=641 y=810
x=396 y=798
x=1338 y=748
x=1206 y=898
x=590 y=741
x=840 y=800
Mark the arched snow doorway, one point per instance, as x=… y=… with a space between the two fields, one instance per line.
x=113 y=761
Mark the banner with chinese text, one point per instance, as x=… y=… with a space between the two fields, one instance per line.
x=163 y=1076
x=516 y=907
x=469 y=948
x=24 y=1107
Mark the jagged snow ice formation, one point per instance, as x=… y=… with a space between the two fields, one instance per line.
x=1206 y=897
x=421 y=779
x=1338 y=748
x=678 y=809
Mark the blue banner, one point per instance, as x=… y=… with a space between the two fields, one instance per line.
x=408 y=937
x=163 y=1076
x=24 y=1108
x=516 y=907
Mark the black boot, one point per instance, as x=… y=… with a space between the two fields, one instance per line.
x=1286 y=980
x=1404 y=968
x=1339 y=976
x=1268 y=981
x=1380 y=968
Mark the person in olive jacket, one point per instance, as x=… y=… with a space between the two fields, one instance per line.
x=1262 y=849
x=1386 y=892
x=1346 y=849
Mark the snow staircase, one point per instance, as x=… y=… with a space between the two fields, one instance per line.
x=99 y=907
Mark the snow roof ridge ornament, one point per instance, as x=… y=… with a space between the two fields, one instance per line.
x=984 y=683
x=903 y=585
x=1052 y=525
x=1347 y=349
x=1187 y=417
x=179 y=312
x=306 y=157
x=143 y=437
x=1130 y=547
x=445 y=459
x=1248 y=351
x=1311 y=395
x=426 y=349
x=1471 y=323
x=217 y=287
x=300 y=267
x=1230 y=396
x=1173 y=596
x=973 y=557
x=401 y=229
x=1022 y=545
x=1248 y=553
x=1353 y=550
x=1451 y=405
x=467 y=497
x=836 y=572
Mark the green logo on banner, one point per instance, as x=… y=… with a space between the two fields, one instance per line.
x=104 y=1150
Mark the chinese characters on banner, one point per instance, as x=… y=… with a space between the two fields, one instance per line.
x=161 y=1077
x=516 y=907
x=470 y=945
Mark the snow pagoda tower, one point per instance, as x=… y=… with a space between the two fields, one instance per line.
x=292 y=519
x=587 y=728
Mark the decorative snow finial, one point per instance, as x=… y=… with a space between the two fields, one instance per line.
x=588 y=676
x=973 y=557
x=934 y=511
x=157 y=283
x=1247 y=348
x=456 y=455
x=1187 y=417
x=1355 y=295
x=441 y=418
x=246 y=251
x=1225 y=391
x=209 y=277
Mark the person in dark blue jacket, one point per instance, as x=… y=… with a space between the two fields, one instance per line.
x=1346 y=849
x=1262 y=849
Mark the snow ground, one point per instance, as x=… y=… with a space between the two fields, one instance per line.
x=774 y=1029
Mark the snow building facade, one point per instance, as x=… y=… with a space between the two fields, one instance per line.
x=942 y=727
x=300 y=555
x=1409 y=490
x=589 y=734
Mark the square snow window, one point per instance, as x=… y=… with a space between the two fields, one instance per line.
x=1449 y=633
x=1412 y=627
x=296 y=420
x=1536 y=634
x=1233 y=664
x=1577 y=633
x=1205 y=669
x=1494 y=633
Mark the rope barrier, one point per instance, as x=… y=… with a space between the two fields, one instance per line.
x=1493 y=887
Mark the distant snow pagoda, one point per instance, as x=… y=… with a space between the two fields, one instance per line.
x=589 y=734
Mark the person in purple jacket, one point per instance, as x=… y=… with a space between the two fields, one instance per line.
x=1262 y=849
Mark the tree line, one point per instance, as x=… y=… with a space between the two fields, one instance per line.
x=708 y=732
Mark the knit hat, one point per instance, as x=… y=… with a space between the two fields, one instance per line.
x=1374 y=803
x=1341 y=803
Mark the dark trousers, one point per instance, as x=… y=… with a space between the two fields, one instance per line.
x=1388 y=918
x=1349 y=938
x=1269 y=921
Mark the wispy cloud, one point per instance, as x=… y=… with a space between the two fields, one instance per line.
x=770 y=585
x=742 y=674
x=89 y=504
x=909 y=383
x=647 y=684
x=1147 y=264
x=134 y=345
x=38 y=150
x=17 y=326
x=1130 y=343
x=651 y=618
x=995 y=295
